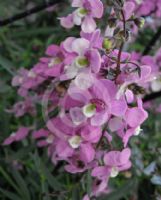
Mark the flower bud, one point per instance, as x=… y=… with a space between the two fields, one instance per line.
x=112 y=22
x=107 y=44
x=139 y=22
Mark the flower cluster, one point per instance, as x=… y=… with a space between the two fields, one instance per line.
x=91 y=93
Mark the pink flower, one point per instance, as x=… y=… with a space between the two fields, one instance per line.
x=139 y=113
x=21 y=134
x=23 y=107
x=117 y=161
x=82 y=57
x=84 y=15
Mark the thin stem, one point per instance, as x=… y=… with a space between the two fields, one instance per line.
x=124 y=22
x=119 y=57
x=46 y=4
x=122 y=43
x=152 y=96
x=133 y=63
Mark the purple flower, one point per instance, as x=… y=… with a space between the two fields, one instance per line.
x=82 y=57
x=84 y=15
x=21 y=134
x=115 y=161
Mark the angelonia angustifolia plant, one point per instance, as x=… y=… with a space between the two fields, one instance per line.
x=91 y=91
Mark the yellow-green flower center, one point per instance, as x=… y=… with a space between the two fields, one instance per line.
x=83 y=11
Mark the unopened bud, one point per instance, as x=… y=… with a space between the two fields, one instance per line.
x=107 y=44
x=112 y=22
x=139 y=22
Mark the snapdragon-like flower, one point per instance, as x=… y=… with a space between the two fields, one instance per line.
x=84 y=15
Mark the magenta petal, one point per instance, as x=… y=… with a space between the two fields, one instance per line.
x=135 y=116
x=67 y=44
x=86 y=197
x=125 y=166
x=115 y=124
x=94 y=59
x=129 y=8
x=112 y=158
x=124 y=156
x=54 y=71
x=129 y=96
x=60 y=127
x=101 y=188
x=100 y=118
x=97 y=8
x=128 y=134
x=52 y=50
x=91 y=134
x=108 y=136
x=87 y=152
x=63 y=149
x=67 y=22
x=118 y=107
x=42 y=143
x=21 y=134
x=145 y=71
x=100 y=172
x=9 y=140
x=40 y=133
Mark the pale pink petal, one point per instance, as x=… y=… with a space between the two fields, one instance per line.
x=67 y=44
x=129 y=96
x=87 y=152
x=118 y=107
x=67 y=22
x=80 y=45
x=115 y=124
x=88 y=25
x=52 y=50
x=124 y=156
x=91 y=134
x=135 y=116
x=129 y=8
x=99 y=118
x=95 y=60
x=97 y=8
x=100 y=172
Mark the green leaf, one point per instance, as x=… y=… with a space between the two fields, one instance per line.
x=89 y=182
x=75 y=193
x=22 y=185
x=51 y=179
x=121 y=192
x=6 y=64
x=8 y=179
x=4 y=88
x=22 y=153
x=10 y=195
